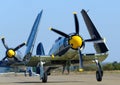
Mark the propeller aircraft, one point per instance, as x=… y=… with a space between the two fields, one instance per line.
x=66 y=48
x=13 y=56
x=69 y=47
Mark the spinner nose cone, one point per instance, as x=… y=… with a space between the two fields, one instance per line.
x=76 y=41
x=10 y=53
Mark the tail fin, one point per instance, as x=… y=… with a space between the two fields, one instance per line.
x=32 y=37
x=40 y=49
x=99 y=47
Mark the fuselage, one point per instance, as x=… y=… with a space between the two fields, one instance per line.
x=60 y=47
x=63 y=44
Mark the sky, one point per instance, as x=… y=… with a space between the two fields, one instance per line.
x=17 y=18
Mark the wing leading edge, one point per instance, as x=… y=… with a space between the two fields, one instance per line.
x=88 y=58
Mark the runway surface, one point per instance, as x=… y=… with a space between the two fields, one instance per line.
x=72 y=79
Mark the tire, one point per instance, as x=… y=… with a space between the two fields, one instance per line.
x=44 y=79
x=99 y=76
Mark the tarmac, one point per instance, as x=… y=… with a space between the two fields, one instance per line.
x=109 y=78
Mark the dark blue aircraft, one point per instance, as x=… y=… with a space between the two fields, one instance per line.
x=67 y=49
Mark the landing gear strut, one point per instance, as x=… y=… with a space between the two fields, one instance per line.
x=99 y=72
x=43 y=73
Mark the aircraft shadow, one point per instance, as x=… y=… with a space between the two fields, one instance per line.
x=50 y=82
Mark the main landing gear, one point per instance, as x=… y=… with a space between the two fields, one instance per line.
x=42 y=72
x=99 y=72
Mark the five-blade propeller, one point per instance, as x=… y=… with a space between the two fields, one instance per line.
x=11 y=52
x=75 y=40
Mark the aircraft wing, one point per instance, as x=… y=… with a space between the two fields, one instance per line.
x=4 y=64
x=32 y=38
x=95 y=36
x=57 y=60
x=9 y=64
x=30 y=45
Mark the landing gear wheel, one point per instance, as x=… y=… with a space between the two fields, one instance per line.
x=99 y=75
x=44 y=79
x=99 y=72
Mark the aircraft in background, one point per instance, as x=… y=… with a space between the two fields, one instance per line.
x=13 y=56
x=69 y=47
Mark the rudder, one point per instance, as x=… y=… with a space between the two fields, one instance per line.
x=40 y=49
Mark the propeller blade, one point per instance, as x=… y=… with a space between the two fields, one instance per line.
x=60 y=32
x=4 y=58
x=76 y=23
x=18 y=47
x=15 y=59
x=3 y=41
x=80 y=60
